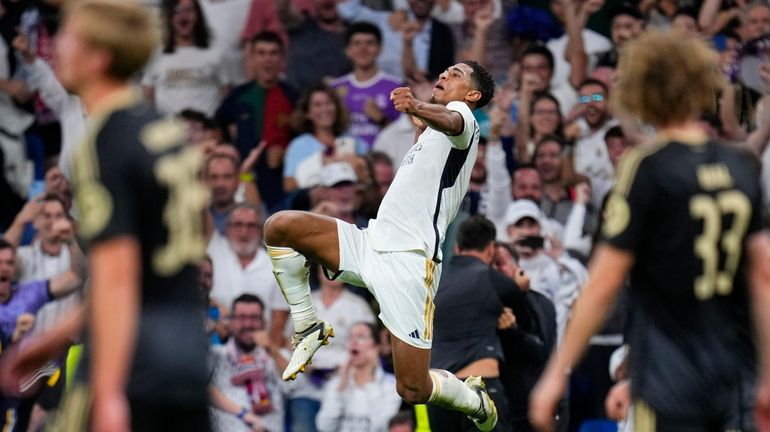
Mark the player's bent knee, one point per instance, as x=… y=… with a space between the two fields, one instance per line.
x=412 y=394
x=278 y=228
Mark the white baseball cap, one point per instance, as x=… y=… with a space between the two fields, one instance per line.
x=336 y=173
x=521 y=209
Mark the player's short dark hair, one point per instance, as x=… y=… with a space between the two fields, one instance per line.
x=5 y=244
x=594 y=81
x=475 y=233
x=614 y=132
x=404 y=417
x=539 y=49
x=483 y=82
x=248 y=298
x=268 y=37
x=362 y=27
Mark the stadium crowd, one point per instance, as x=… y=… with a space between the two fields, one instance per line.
x=289 y=102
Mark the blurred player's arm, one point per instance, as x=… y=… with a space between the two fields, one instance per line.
x=608 y=270
x=436 y=116
x=116 y=268
x=758 y=253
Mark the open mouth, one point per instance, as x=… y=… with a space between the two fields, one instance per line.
x=439 y=86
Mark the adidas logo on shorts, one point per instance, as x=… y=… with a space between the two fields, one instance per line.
x=415 y=335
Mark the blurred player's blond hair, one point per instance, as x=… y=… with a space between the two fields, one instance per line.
x=665 y=79
x=124 y=28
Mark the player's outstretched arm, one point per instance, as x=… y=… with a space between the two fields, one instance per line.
x=436 y=116
x=758 y=254
x=608 y=269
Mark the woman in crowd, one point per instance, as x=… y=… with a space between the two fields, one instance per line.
x=320 y=119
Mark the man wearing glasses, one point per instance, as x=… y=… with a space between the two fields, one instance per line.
x=241 y=265
x=591 y=158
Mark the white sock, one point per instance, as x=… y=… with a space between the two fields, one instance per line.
x=293 y=278
x=451 y=393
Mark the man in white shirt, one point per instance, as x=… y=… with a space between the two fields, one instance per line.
x=241 y=266
x=591 y=157
x=398 y=257
x=227 y=18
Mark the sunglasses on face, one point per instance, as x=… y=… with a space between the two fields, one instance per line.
x=596 y=97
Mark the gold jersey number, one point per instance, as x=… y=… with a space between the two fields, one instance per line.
x=713 y=279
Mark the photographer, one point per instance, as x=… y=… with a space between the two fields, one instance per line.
x=552 y=272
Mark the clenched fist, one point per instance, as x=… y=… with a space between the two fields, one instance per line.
x=403 y=100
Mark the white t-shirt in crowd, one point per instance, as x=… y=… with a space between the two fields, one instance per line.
x=428 y=189
x=232 y=280
x=34 y=265
x=188 y=78
x=347 y=310
x=593 y=161
x=396 y=139
x=227 y=19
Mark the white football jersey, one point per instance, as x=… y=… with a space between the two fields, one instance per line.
x=428 y=189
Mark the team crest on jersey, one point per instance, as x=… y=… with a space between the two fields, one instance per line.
x=409 y=158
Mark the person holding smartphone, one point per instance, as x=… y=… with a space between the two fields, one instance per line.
x=552 y=271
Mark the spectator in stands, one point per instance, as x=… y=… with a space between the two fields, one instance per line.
x=590 y=150
x=221 y=176
x=41 y=78
x=337 y=305
x=552 y=272
x=419 y=46
x=593 y=42
x=29 y=297
x=465 y=339
x=366 y=91
x=227 y=20
x=617 y=144
x=245 y=372
x=187 y=72
x=321 y=120
x=338 y=195
x=383 y=172
x=526 y=352
x=626 y=23
x=485 y=37
x=216 y=313
x=316 y=43
x=241 y=266
x=362 y=396
x=401 y=422
x=541 y=117
x=755 y=20
x=259 y=111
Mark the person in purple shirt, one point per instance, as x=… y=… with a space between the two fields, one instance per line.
x=366 y=91
x=18 y=299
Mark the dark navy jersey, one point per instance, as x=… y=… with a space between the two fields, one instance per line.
x=685 y=212
x=135 y=178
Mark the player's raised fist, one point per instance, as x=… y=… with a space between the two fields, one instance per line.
x=403 y=100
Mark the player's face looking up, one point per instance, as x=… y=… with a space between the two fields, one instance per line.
x=455 y=84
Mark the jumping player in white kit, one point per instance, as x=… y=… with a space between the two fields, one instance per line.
x=398 y=257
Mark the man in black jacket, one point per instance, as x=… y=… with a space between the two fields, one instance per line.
x=471 y=297
x=526 y=349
